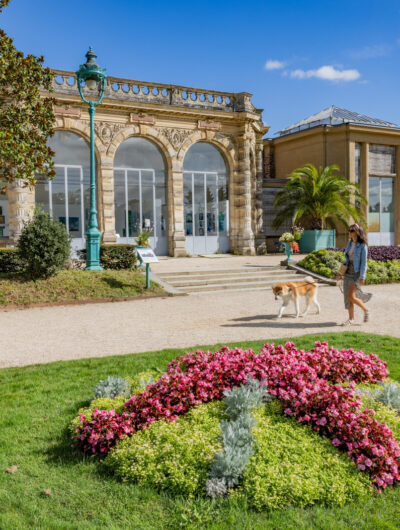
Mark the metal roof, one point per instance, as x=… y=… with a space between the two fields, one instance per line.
x=336 y=116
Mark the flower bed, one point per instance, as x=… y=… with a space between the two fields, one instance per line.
x=308 y=384
x=327 y=263
x=379 y=253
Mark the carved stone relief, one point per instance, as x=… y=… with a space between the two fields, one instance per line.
x=106 y=131
x=176 y=137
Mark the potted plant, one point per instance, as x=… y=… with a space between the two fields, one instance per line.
x=318 y=198
x=142 y=239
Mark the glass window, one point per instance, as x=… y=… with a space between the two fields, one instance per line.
x=4 y=220
x=357 y=155
x=204 y=157
x=382 y=159
x=381 y=204
x=374 y=205
x=205 y=173
x=140 y=189
x=67 y=197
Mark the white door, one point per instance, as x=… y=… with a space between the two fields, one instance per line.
x=381 y=211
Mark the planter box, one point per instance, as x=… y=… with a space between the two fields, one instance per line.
x=317 y=239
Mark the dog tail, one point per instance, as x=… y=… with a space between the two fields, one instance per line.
x=310 y=279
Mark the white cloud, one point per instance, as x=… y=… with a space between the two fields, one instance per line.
x=328 y=73
x=274 y=65
x=370 y=52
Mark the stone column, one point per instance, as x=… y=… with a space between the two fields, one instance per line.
x=397 y=199
x=176 y=233
x=365 y=177
x=260 y=240
x=105 y=174
x=21 y=205
x=242 y=238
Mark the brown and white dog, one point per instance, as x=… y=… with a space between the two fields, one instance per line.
x=293 y=291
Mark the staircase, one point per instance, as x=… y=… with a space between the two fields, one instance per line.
x=235 y=279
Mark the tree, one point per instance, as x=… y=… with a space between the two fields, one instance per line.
x=26 y=119
x=318 y=198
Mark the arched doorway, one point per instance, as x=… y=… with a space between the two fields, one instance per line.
x=206 y=200
x=67 y=197
x=140 y=195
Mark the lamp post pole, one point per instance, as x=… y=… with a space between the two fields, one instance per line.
x=94 y=77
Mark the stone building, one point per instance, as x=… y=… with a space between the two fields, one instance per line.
x=185 y=164
x=367 y=151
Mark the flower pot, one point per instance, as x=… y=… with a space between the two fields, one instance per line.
x=317 y=239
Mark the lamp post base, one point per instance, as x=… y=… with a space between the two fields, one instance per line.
x=93 y=250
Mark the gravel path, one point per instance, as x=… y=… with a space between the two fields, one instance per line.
x=46 y=334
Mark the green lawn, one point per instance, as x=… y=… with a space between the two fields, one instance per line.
x=68 y=286
x=37 y=404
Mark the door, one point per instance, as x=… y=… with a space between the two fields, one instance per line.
x=206 y=208
x=139 y=208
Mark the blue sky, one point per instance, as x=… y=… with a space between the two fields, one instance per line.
x=296 y=57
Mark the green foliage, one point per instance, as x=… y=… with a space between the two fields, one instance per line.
x=116 y=257
x=10 y=260
x=26 y=119
x=174 y=456
x=112 y=387
x=140 y=381
x=142 y=240
x=324 y=262
x=44 y=245
x=383 y=271
x=293 y=465
x=318 y=198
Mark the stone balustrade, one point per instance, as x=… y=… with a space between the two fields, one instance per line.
x=65 y=82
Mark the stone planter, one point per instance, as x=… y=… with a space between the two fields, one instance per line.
x=288 y=252
x=317 y=239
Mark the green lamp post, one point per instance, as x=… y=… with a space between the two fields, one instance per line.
x=95 y=78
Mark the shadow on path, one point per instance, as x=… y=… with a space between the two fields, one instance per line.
x=288 y=321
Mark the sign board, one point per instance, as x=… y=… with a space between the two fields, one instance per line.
x=146 y=255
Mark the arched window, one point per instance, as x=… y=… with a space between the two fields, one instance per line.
x=206 y=200
x=140 y=192
x=67 y=196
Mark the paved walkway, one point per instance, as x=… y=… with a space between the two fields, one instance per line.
x=42 y=335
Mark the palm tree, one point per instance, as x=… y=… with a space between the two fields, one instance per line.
x=318 y=198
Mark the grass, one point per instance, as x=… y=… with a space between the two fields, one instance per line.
x=37 y=404
x=74 y=285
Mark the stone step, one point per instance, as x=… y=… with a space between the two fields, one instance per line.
x=221 y=272
x=240 y=289
x=267 y=284
x=212 y=280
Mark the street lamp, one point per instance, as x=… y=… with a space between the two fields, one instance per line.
x=94 y=78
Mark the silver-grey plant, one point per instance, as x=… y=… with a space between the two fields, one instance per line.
x=112 y=387
x=237 y=439
x=387 y=393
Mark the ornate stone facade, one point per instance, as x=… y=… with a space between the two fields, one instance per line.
x=174 y=118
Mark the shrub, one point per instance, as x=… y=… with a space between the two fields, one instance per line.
x=112 y=387
x=44 y=245
x=115 y=257
x=293 y=465
x=174 y=456
x=11 y=261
